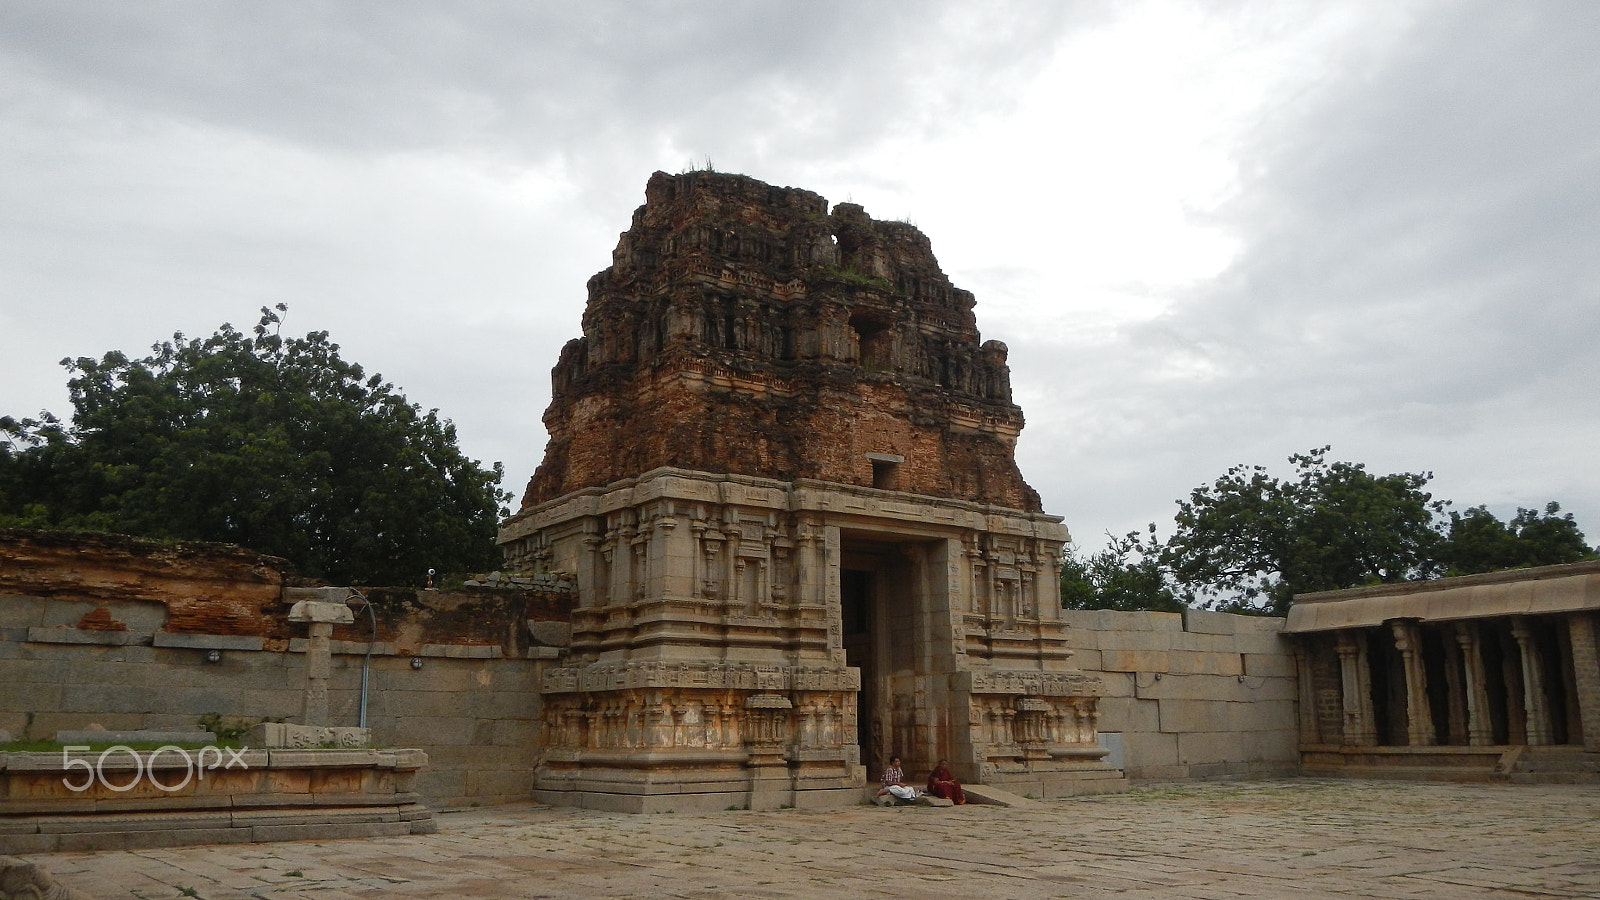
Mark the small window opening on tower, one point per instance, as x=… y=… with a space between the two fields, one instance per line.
x=875 y=342
x=886 y=470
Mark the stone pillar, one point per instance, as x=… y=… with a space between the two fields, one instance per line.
x=1586 y=675
x=1456 y=691
x=1419 y=715
x=322 y=616
x=1360 y=728
x=1480 y=728
x=1534 y=699
x=1306 y=693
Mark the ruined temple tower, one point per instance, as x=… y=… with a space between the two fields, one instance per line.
x=780 y=466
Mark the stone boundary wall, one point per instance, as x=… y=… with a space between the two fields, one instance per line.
x=117 y=632
x=474 y=711
x=1196 y=695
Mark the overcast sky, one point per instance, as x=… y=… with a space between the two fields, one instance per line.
x=1211 y=232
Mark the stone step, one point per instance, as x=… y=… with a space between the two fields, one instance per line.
x=982 y=793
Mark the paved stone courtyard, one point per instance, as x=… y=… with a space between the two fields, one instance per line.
x=1297 y=838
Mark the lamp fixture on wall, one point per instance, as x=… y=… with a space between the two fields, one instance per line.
x=213 y=656
x=416 y=662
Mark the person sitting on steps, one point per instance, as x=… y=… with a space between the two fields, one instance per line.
x=942 y=783
x=894 y=784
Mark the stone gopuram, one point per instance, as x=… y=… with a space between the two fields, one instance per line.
x=781 y=469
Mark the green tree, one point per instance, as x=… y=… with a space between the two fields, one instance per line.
x=1477 y=541
x=1127 y=575
x=273 y=443
x=1249 y=542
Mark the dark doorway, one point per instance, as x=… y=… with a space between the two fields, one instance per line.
x=1433 y=662
x=1388 y=688
x=856 y=608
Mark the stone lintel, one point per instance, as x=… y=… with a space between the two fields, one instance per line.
x=1572 y=587
x=800 y=495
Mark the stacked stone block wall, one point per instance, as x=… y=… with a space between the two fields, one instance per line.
x=475 y=712
x=1197 y=695
x=116 y=631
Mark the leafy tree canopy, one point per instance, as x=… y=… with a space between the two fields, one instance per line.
x=273 y=443
x=1126 y=576
x=1478 y=542
x=1250 y=541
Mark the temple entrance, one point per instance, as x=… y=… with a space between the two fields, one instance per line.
x=887 y=591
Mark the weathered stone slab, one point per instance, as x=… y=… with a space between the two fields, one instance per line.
x=291 y=758
x=65 y=635
x=982 y=793
x=295 y=595
x=261 y=795
x=288 y=735
x=208 y=641
x=21 y=880
x=463 y=651
x=551 y=634
x=322 y=612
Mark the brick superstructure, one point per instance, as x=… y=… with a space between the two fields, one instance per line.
x=743 y=328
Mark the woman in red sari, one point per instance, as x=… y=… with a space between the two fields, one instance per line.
x=941 y=783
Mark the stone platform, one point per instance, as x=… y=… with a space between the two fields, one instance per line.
x=1515 y=764
x=170 y=797
x=1300 y=839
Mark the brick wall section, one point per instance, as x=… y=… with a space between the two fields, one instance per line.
x=743 y=328
x=1198 y=695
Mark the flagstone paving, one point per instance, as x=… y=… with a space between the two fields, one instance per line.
x=1294 y=838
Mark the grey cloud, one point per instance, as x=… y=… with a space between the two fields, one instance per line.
x=1419 y=274
x=546 y=77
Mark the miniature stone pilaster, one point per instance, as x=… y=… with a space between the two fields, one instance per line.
x=322 y=616
x=1534 y=700
x=1419 y=715
x=1586 y=676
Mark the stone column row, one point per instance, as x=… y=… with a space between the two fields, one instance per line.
x=1468 y=712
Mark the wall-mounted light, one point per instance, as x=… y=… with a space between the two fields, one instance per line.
x=213 y=656
x=416 y=662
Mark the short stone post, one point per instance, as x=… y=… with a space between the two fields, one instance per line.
x=767 y=731
x=322 y=616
